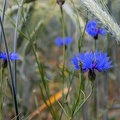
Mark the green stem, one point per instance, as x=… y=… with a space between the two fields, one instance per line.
x=2 y=71
x=34 y=48
x=62 y=20
x=63 y=35
x=80 y=87
x=10 y=70
x=92 y=84
x=95 y=44
x=95 y=91
x=1 y=93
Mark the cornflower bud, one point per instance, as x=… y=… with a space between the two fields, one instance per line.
x=91 y=75
x=60 y=2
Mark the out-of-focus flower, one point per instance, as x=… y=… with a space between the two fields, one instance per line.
x=93 y=29
x=91 y=61
x=13 y=56
x=63 y=41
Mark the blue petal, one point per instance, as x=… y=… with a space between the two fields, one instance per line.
x=75 y=62
x=14 y=56
x=68 y=40
x=63 y=41
x=102 y=31
x=93 y=30
x=59 y=41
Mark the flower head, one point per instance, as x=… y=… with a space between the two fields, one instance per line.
x=13 y=56
x=91 y=61
x=93 y=30
x=63 y=41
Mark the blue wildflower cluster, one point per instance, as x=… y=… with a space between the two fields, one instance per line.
x=91 y=61
x=63 y=41
x=93 y=29
x=13 y=56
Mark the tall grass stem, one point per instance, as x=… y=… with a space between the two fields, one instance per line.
x=63 y=35
x=10 y=71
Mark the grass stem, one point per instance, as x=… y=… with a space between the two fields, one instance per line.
x=10 y=71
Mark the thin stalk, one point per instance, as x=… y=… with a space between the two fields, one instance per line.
x=96 y=92
x=95 y=44
x=42 y=77
x=49 y=107
x=63 y=35
x=40 y=68
x=79 y=92
x=71 y=81
x=69 y=87
x=15 y=43
x=28 y=38
x=2 y=71
x=105 y=98
x=34 y=49
x=92 y=84
x=2 y=18
x=84 y=108
x=1 y=94
x=10 y=70
x=96 y=100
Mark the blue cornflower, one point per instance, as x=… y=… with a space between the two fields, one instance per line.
x=63 y=41
x=93 y=29
x=13 y=56
x=91 y=61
